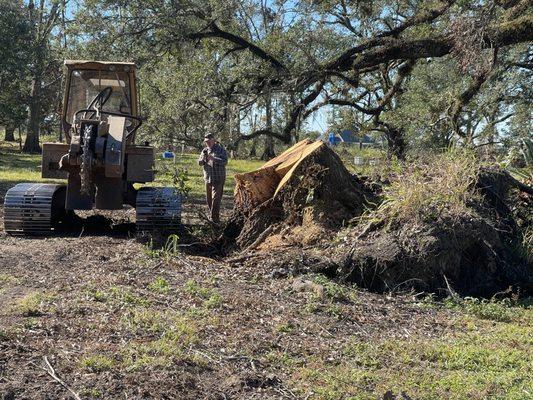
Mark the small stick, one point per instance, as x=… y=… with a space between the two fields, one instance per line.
x=50 y=370
x=241 y=258
x=261 y=238
x=452 y=292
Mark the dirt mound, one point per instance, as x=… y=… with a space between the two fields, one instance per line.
x=302 y=195
x=478 y=252
x=464 y=230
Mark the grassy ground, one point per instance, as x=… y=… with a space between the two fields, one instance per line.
x=16 y=167
x=116 y=318
x=160 y=325
x=188 y=163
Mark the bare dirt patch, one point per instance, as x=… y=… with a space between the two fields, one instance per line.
x=115 y=319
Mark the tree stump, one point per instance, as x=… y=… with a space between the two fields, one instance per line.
x=307 y=186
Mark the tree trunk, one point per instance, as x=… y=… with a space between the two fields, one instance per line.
x=253 y=149
x=268 y=152
x=31 y=145
x=296 y=132
x=396 y=142
x=10 y=133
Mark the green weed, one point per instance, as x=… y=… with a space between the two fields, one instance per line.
x=172 y=245
x=214 y=301
x=502 y=311
x=92 y=393
x=280 y=358
x=34 y=304
x=97 y=363
x=211 y=298
x=333 y=290
x=285 y=328
x=159 y=285
x=8 y=280
x=127 y=297
x=97 y=295
x=177 y=333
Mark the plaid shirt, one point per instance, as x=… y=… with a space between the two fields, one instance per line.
x=214 y=170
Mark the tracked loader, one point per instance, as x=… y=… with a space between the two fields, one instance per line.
x=100 y=160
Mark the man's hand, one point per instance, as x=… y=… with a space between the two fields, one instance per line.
x=203 y=157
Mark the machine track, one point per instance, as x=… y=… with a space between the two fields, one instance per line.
x=33 y=208
x=158 y=210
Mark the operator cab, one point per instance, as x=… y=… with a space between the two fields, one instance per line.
x=110 y=87
x=85 y=85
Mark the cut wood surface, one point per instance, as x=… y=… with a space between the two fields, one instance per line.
x=255 y=187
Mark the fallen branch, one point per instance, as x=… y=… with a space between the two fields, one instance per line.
x=50 y=370
x=452 y=292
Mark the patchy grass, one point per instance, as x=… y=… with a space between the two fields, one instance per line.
x=505 y=310
x=159 y=285
x=488 y=356
x=210 y=297
x=486 y=362
x=97 y=295
x=174 y=334
x=34 y=304
x=8 y=280
x=334 y=290
x=285 y=328
x=97 y=363
x=16 y=167
x=126 y=296
x=91 y=393
x=149 y=321
x=189 y=163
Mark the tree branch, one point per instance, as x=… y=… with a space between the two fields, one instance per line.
x=215 y=32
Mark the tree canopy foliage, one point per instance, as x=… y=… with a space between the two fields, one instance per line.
x=426 y=73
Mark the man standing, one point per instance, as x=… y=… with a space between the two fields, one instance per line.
x=214 y=159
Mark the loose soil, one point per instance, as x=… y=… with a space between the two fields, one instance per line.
x=230 y=356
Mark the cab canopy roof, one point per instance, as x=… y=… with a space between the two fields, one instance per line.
x=105 y=65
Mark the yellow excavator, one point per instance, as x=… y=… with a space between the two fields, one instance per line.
x=99 y=161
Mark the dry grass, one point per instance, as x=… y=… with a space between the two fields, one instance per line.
x=440 y=184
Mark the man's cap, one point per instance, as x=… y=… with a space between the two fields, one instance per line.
x=208 y=136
